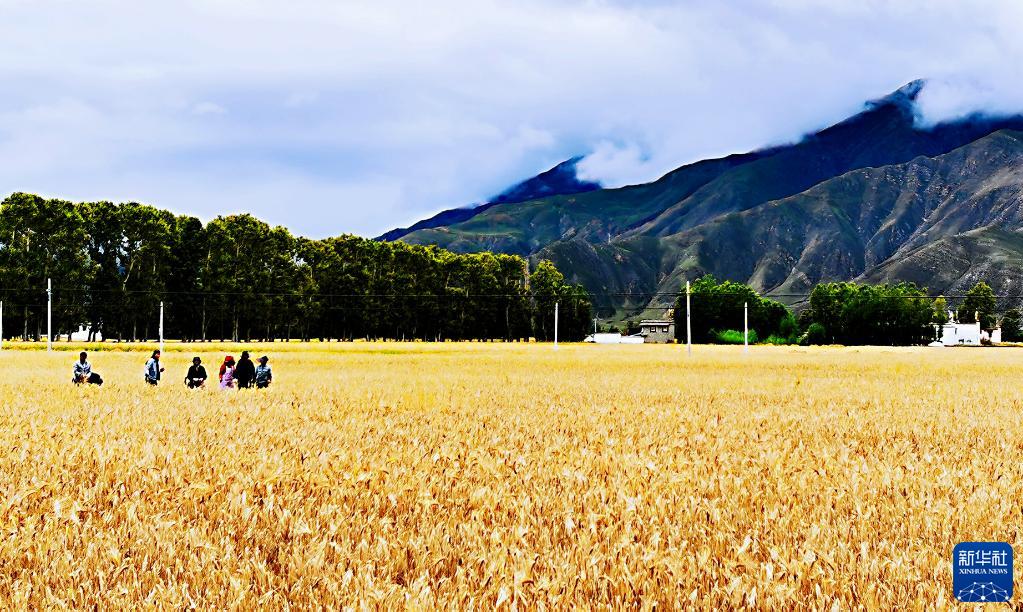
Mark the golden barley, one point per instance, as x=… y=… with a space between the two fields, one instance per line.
x=482 y=475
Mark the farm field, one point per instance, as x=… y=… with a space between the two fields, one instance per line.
x=473 y=475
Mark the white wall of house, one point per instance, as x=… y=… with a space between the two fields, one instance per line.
x=614 y=339
x=605 y=338
x=954 y=334
x=82 y=335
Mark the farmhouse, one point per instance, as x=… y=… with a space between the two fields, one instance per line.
x=966 y=334
x=657 y=330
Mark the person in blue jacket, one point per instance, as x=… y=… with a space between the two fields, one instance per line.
x=153 y=369
x=82 y=372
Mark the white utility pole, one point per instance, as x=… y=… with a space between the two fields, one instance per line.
x=745 y=327
x=555 y=325
x=594 y=321
x=689 y=329
x=49 y=316
x=161 y=327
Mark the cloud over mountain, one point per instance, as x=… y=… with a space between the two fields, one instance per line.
x=881 y=195
x=361 y=116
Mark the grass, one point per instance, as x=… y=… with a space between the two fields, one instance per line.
x=731 y=336
x=483 y=475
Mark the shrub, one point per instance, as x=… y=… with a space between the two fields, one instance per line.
x=815 y=334
x=732 y=336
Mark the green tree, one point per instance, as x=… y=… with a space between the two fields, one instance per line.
x=827 y=301
x=980 y=299
x=547 y=287
x=853 y=314
x=104 y=243
x=577 y=317
x=246 y=261
x=184 y=279
x=940 y=311
x=236 y=277
x=44 y=239
x=720 y=306
x=147 y=237
x=1012 y=326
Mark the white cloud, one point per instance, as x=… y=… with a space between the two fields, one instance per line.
x=362 y=115
x=300 y=99
x=627 y=162
x=208 y=108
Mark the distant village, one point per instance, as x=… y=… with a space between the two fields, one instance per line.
x=662 y=331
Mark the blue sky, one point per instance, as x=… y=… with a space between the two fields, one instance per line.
x=332 y=117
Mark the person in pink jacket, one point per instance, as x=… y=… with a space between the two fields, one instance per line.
x=227 y=378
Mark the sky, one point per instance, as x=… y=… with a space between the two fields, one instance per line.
x=333 y=117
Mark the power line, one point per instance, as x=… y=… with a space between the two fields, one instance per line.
x=645 y=295
x=455 y=293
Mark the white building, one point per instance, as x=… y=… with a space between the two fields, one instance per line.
x=614 y=339
x=82 y=335
x=965 y=334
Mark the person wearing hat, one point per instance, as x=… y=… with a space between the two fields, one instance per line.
x=245 y=372
x=264 y=376
x=196 y=376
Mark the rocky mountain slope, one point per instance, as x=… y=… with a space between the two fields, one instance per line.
x=560 y=179
x=874 y=197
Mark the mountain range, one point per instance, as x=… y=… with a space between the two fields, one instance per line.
x=559 y=180
x=874 y=198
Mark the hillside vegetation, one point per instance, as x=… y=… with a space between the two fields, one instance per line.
x=875 y=198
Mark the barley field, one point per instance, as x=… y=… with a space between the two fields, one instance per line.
x=475 y=476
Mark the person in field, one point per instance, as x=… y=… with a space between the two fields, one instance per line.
x=196 y=376
x=264 y=376
x=153 y=369
x=82 y=372
x=245 y=372
x=227 y=374
x=223 y=366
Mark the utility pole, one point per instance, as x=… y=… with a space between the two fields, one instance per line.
x=1 y=324
x=745 y=327
x=555 y=325
x=594 y=321
x=689 y=329
x=49 y=316
x=161 y=327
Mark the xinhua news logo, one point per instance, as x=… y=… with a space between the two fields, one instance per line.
x=982 y=572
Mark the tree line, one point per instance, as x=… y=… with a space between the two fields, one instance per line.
x=238 y=278
x=837 y=313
